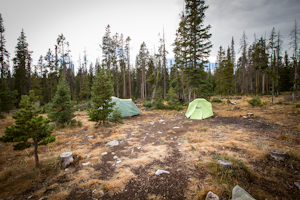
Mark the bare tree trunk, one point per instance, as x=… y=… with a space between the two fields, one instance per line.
x=263 y=84
x=129 y=78
x=36 y=153
x=124 y=82
x=256 y=82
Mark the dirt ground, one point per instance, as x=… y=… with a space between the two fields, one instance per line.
x=161 y=139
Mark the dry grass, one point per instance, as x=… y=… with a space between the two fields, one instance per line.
x=200 y=146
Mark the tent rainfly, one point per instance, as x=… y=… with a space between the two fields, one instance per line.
x=127 y=106
x=199 y=109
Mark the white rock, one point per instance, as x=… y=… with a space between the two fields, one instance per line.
x=67 y=158
x=250 y=114
x=115 y=157
x=159 y=172
x=113 y=143
x=88 y=157
x=85 y=164
x=94 y=190
x=29 y=197
x=179 y=150
x=159 y=132
x=119 y=161
x=104 y=153
x=226 y=163
x=161 y=120
x=101 y=193
x=245 y=117
x=66 y=169
x=211 y=196
x=138 y=147
x=152 y=123
x=112 y=153
x=239 y=193
x=90 y=136
x=176 y=127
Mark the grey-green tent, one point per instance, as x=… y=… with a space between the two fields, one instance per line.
x=199 y=109
x=127 y=106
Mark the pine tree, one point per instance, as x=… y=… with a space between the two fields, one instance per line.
x=22 y=66
x=295 y=38
x=4 y=55
x=29 y=126
x=198 y=42
x=62 y=110
x=85 y=89
x=101 y=93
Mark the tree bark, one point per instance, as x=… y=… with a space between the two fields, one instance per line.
x=36 y=153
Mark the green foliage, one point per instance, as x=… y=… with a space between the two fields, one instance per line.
x=147 y=104
x=85 y=88
x=297 y=105
x=148 y=99
x=7 y=98
x=158 y=100
x=102 y=90
x=62 y=110
x=216 y=100
x=47 y=108
x=116 y=116
x=279 y=102
x=29 y=126
x=256 y=102
x=173 y=100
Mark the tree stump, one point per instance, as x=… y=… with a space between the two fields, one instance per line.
x=67 y=158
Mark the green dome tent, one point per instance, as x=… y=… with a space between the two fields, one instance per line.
x=127 y=106
x=199 y=109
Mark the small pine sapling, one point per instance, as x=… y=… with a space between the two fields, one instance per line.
x=29 y=126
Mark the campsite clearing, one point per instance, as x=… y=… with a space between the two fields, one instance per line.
x=163 y=140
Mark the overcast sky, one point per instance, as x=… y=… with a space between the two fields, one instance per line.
x=83 y=23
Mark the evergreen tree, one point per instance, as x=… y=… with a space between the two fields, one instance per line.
x=295 y=38
x=158 y=103
x=62 y=110
x=22 y=66
x=198 y=42
x=101 y=93
x=4 y=55
x=85 y=89
x=29 y=126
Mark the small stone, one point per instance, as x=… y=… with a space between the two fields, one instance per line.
x=66 y=169
x=90 y=136
x=239 y=193
x=250 y=114
x=119 y=161
x=226 y=163
x=94 y=190
x=176 y=127
x=113 y=143
x=211 y=196
x=245 y=117
x=115 y=157
x=85 y=164
x=161 y=120
x=152 y=123
x=29 y=197
x=159 y=172
x=101 y=193
x=159 y=132
x=104 y=153
x=88 y=157
x=278 y=155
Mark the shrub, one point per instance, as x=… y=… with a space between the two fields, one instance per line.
x=256 y=102
x=116 y=116
x=185 y=103
x=297 y=105
x=279 y=102
x=147 y=104
x=216 y=100
x=148 y=99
